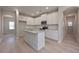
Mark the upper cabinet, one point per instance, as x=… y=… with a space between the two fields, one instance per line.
x=30 y=21
x=52 y=18
x=22 y=18
x=44 y=17
x=37 y=21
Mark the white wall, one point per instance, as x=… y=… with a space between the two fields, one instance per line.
x=0 y=21
x=52 y=18
x=22 y=26
x=78 y=27
x=0 y=27
x=75 y=25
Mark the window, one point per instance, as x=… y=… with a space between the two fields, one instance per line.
x=69 y=23
x=11 y=25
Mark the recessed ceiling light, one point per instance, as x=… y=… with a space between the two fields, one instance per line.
x=47 y=8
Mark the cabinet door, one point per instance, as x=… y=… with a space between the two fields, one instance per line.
x=52 y=34
x=37 y=21
x=22 y=18
x=44 y=17
x=30 y=21
x=52 y=18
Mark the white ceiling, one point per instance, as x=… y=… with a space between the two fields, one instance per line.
x=71 y=10
x=31 y=10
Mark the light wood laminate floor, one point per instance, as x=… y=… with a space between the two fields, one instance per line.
x=11 y=45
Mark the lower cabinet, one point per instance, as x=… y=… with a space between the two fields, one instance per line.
x=35 y=39
x=52 y=34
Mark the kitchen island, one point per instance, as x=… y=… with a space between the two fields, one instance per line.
x=35 y=38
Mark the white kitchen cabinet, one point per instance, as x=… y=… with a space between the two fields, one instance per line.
x=44 y=17
x=52 y=34
x=22 y=18
x=30 y=21
x=36 y=39
x=37 y=21
x=52 y=18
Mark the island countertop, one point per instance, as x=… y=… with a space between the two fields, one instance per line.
x=34 y=31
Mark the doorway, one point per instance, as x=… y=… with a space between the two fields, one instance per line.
x=70 y=22
x=8 y=25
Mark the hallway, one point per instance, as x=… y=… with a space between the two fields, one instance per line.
x=10 y=45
